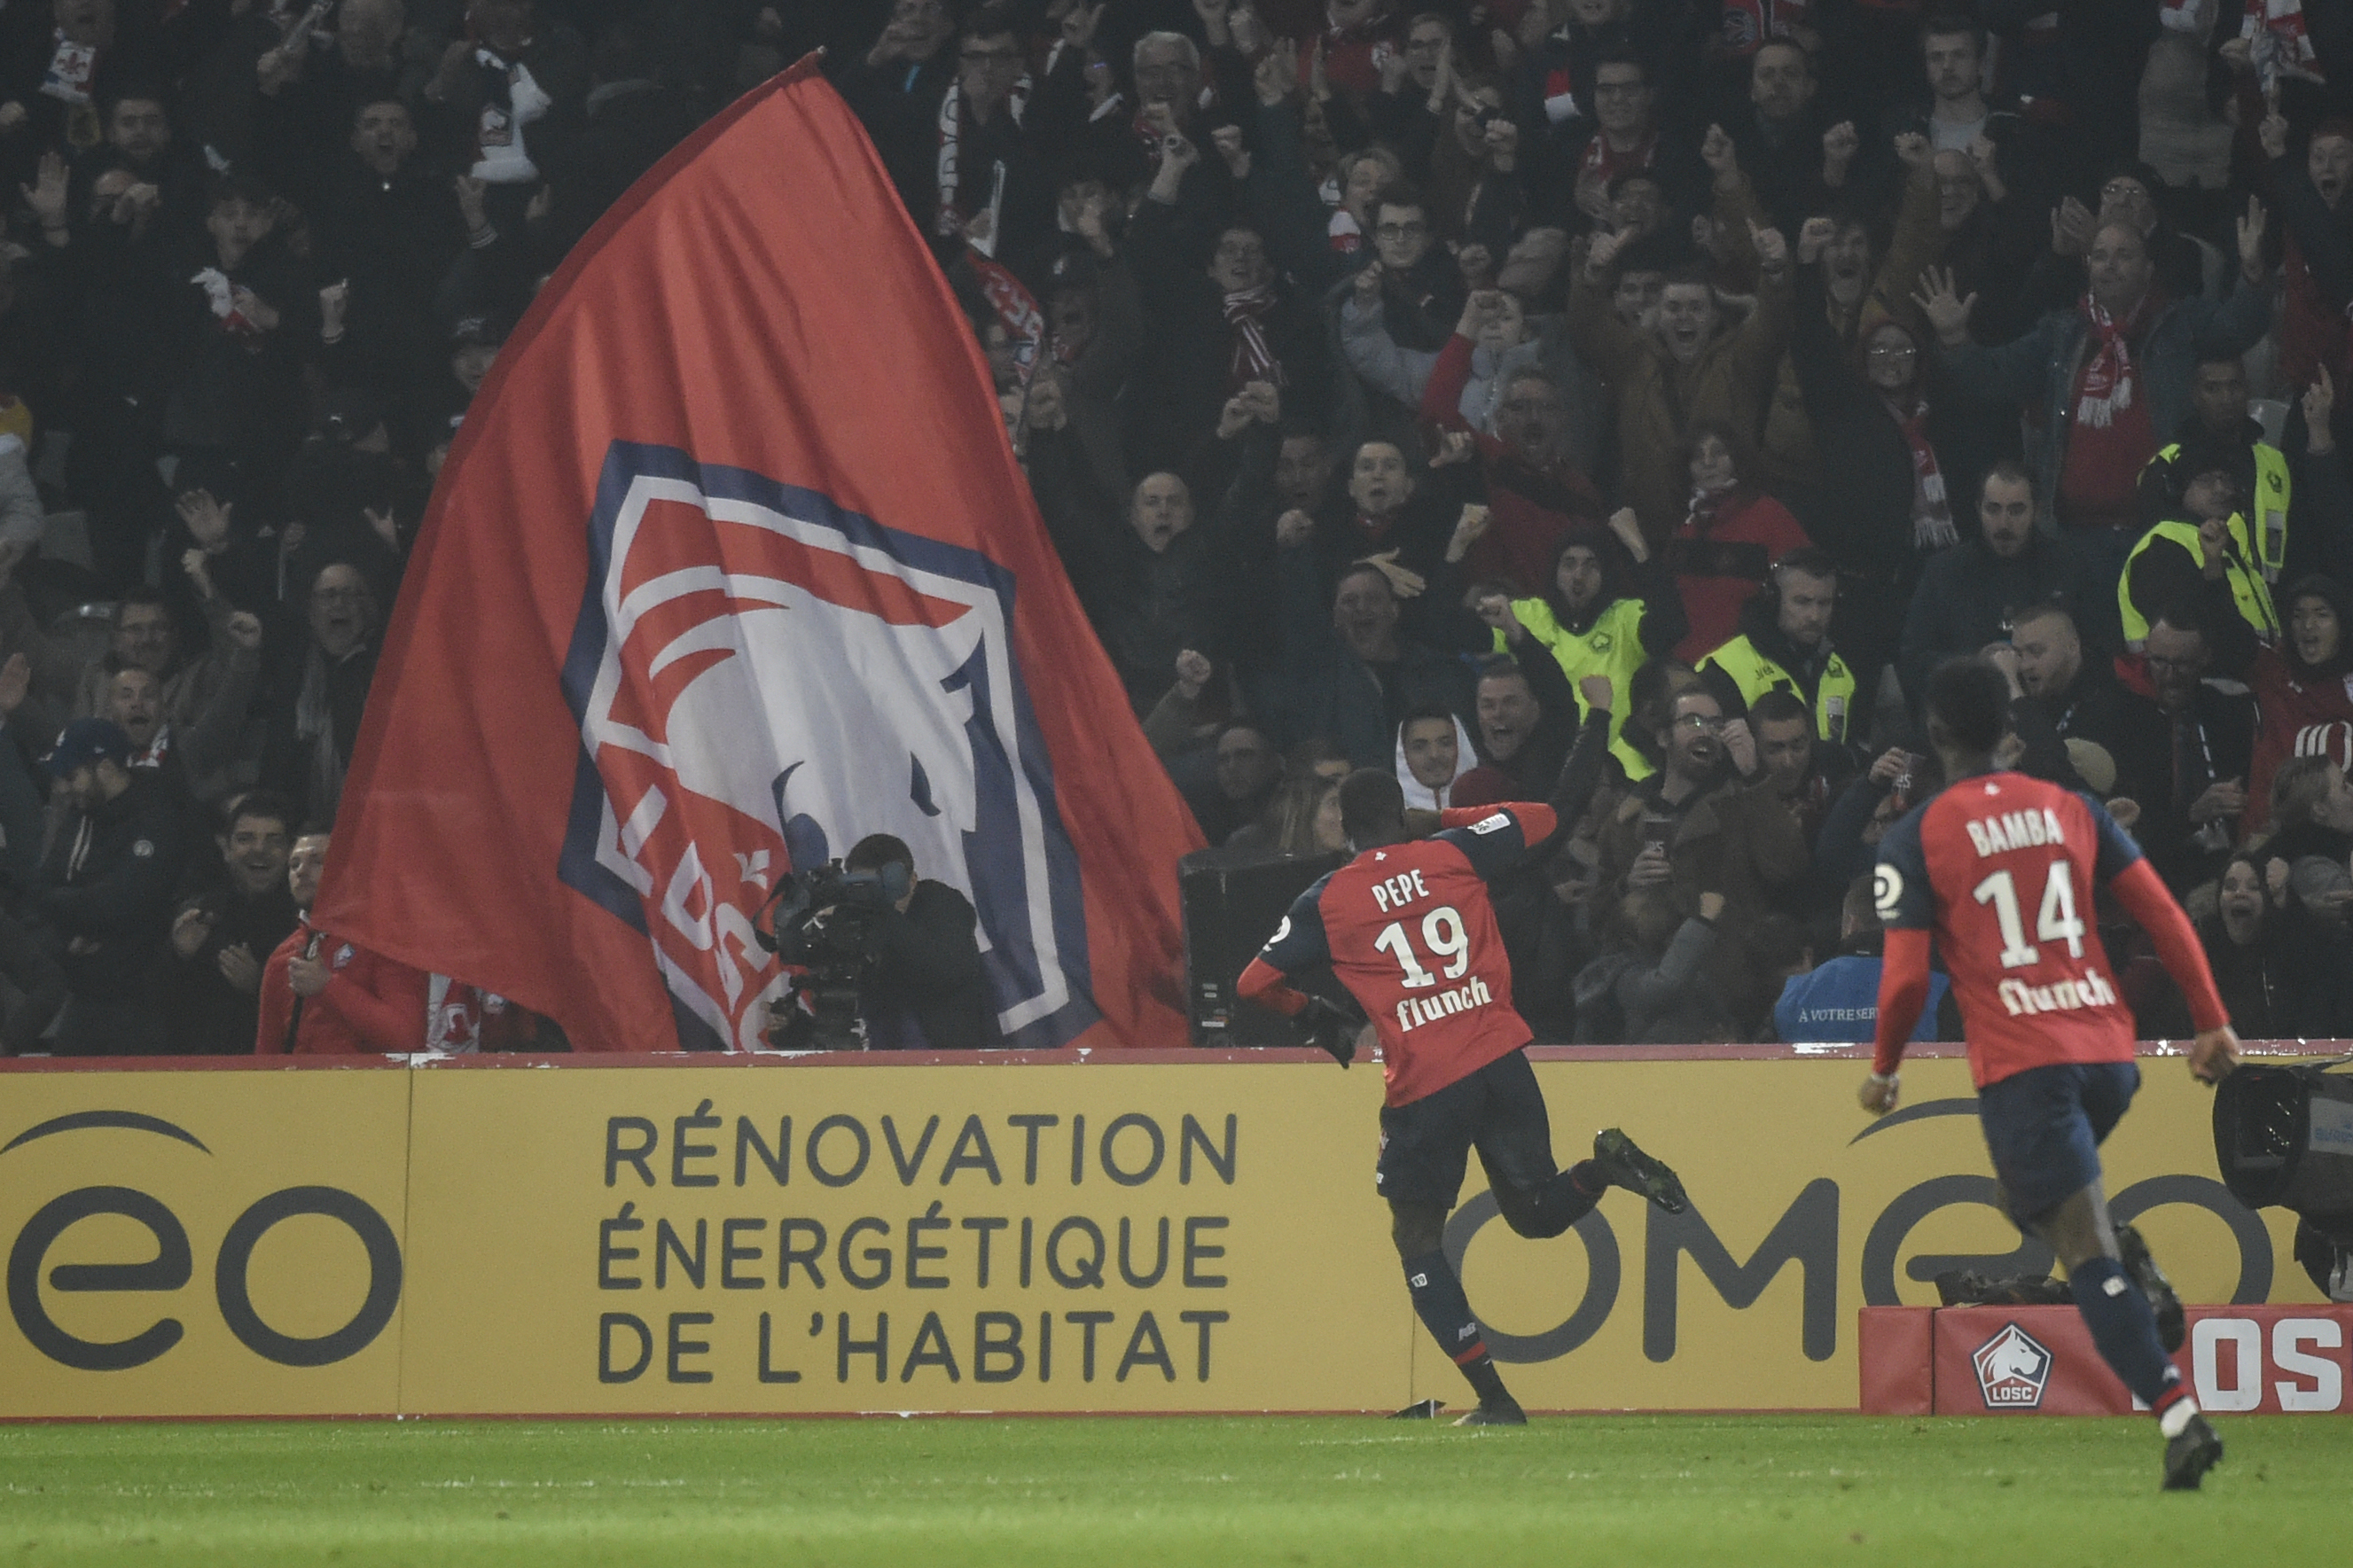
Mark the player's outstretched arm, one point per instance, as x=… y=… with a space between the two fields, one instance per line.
x=2146 y=899
x=1537 y=820
x=1903 y=992
x=1494 y=839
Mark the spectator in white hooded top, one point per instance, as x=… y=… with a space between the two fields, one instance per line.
x=1434 y=749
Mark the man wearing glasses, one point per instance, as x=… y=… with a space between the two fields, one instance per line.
x=1421 y=289
x=1695 y=750
x=991 y=187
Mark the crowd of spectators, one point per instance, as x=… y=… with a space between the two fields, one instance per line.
x=1623 y=402
x=1628 y=403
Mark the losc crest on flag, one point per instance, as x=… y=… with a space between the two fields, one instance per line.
x=729 y=568
x=762 y=680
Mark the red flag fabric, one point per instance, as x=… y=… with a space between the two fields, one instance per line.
x=730 y=566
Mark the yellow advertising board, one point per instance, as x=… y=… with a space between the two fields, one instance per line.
x=1104 y=1237
x=1804 y=1209
x=656 y=1235
x=203 y=1243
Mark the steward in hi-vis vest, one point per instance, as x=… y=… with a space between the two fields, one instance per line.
x=1604 y=615
x=2217 y=433
x=2271 y=487
x=2204 y=554
x=1783 y=644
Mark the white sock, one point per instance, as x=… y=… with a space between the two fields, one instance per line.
x=2176 y=1416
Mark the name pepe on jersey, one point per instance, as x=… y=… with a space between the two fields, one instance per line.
x=1408 y=887
x=1408 y=928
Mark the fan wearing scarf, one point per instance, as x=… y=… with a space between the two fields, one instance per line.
x=990 y=186
x=2107 y=374
x=1168 y=92
x=1218 y=329
x=315 y=715
x=1691 y=362
x=1358 y=36
x=1603 y=614
x=69 y=71
x=1893 y=450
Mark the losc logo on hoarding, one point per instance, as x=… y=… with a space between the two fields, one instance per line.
x=173 y=1265
x=2013 y=1369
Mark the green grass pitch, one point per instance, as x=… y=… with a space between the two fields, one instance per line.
x=1230 y=1493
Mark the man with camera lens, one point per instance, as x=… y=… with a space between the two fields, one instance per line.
x=913 y=949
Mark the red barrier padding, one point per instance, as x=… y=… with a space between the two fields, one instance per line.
x=1982 y=1361
x=1893 y=1350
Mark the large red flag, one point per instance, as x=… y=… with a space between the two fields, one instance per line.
x=730 y=566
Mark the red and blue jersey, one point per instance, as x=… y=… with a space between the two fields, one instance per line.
x=1410 y=931
x=2004 y=870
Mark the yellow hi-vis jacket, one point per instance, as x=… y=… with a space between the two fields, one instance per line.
x=1610 y=647
x=2247 y=590
x=2274 y=489
x=1755 y=674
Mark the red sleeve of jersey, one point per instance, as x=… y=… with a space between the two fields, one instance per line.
x=1536 y=819
x=2144 y=896
x=1902 y=990
x=1268 y=986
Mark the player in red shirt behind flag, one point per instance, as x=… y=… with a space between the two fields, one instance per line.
x=1408 y=927
x=2050 y=1041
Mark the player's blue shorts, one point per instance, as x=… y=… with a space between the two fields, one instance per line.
x=2044 y=1128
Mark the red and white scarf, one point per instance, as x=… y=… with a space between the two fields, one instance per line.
x=2109 y=376
x=951 y=216
x=1932 y=511
x=1704 y=504
x=1560 y=94
x=158 y=748
x=1017 y=310
x=1246 y=312
x=1345 y=235
x=2277 y=43
x=458 y=1015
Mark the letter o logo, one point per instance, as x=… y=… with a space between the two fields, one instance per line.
x=1601 y=1278
x=237 y=1254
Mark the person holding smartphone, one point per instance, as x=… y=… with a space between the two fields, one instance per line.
x=1696 y=748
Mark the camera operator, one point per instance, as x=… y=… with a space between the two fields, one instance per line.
x=925 y=989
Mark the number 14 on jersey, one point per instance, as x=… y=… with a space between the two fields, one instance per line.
x=2055 y=921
